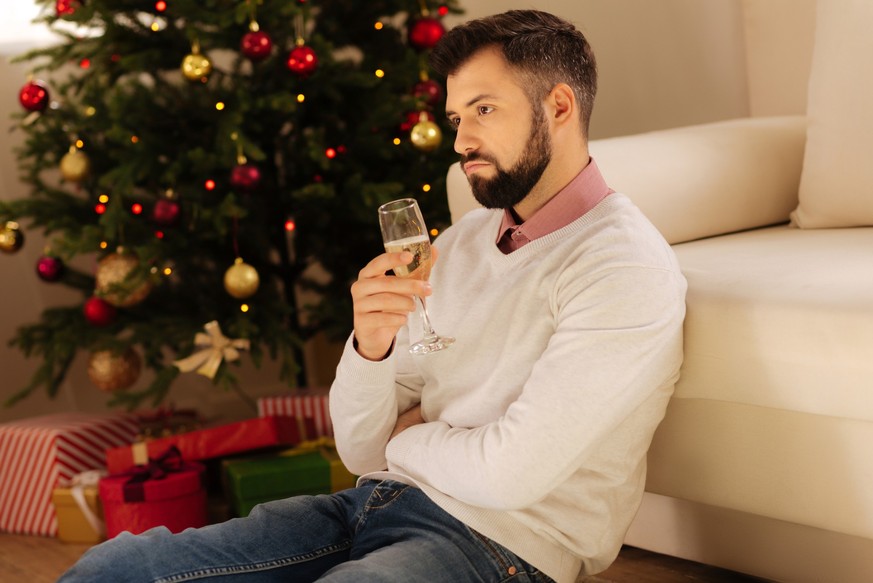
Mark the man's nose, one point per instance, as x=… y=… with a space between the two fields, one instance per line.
x=465 y=139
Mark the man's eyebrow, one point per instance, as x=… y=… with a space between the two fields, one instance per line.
x=478 y=98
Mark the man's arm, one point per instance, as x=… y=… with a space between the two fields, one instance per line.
x=605 y=361
x=367 y=394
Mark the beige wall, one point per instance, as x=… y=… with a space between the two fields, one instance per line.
x=663 y=63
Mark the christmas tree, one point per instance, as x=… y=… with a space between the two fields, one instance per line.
x=194 y=163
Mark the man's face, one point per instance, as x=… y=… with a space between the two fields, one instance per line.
x=504 y=143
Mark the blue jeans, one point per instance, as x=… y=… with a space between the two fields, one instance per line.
x=380 y=531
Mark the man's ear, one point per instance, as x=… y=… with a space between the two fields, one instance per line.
x=562 y=102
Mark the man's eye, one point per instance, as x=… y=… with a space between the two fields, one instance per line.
x=485 y=109
x=454 y=122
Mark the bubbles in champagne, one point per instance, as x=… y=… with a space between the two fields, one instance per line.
x=419 y=267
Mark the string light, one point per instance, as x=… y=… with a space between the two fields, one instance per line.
x=426 y=187
x=434 y=232
x=159 y=234
x=104 y=244
x=244 y=308
x=301 y=98
x=168 y=271
x=380 y=73
x=85 y=63
x=378 y=25
x=397 y=141
x=134 y=139
x=100 y=208
x=330 y=153
x=136 y=208
x=290 y=225
x=209 y=184
x=160 y=5
x=219 y=106
x=80 y=144
x=103 y=198
x=443 y=10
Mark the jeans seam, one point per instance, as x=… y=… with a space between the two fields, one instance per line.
x=254 y=567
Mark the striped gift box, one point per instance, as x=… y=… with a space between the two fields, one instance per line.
x=38 y=454
x=309 y=406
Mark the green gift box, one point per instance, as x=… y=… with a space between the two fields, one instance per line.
x=310 y=468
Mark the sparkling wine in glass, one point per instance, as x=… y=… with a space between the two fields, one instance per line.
x=403 y=229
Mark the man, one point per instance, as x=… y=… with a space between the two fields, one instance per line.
x=519 y=452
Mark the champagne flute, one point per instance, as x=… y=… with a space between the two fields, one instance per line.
x=403 y=229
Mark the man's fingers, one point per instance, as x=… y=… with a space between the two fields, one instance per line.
x=385 y=262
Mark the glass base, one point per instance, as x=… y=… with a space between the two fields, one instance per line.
x=432 y=344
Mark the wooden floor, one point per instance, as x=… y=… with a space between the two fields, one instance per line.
x=32 y=559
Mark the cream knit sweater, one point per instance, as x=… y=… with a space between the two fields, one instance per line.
x=539 y=417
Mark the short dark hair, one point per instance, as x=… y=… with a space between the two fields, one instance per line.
x=545 y=49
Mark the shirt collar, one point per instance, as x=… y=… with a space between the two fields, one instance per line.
x=574 y=200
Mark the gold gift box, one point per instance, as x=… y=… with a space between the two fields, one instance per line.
x=73 y=527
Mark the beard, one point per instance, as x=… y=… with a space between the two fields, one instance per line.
x=510 y=186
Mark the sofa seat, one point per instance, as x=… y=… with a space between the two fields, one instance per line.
x=774 y=316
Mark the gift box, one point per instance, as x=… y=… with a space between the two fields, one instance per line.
x=36 y=454
x=165 y=492
x=208 y=443
x=309 y=407
x=77 y=506
x=311 y=468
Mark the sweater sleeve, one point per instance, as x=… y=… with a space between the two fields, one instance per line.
x=617 y=343
x=365 y=399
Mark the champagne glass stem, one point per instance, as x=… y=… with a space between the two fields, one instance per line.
x=425 y=320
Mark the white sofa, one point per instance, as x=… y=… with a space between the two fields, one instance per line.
x=763 y=463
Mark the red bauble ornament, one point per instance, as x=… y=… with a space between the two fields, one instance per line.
x=34 y=96
x=166 y=212
x=256 y=45
x=49 y=268
x=302 y=60
x=425 y=33
x=99 y=312
x=65 y=7
x=428 y=90
x=413 y=117
x=245 y=177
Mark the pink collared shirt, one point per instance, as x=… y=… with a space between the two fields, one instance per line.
x=574 y=200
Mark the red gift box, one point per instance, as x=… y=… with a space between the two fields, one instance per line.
x=213 y=442
x=39 y=453
x=165 y=492
x=309 y=406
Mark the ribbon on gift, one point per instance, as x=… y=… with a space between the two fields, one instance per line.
x=215 y=347
x=89 y=479
x=156 y=469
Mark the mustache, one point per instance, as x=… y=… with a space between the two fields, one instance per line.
x=477 y=156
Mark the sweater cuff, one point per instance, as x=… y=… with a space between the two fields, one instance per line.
x=354 y=368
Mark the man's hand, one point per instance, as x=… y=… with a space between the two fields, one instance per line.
x=406 y=420
x=382 y=303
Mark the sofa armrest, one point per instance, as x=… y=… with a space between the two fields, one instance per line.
x=696 y=181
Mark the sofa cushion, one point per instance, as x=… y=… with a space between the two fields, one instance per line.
x=781 y=318
x=836 y=188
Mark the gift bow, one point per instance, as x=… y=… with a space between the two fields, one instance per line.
x=156 y=469
x=89 y=479
x=215 y=348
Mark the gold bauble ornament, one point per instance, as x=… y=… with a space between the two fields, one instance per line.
x=75 y=165
x=112 y=283
x=196 y=67
x=426 y=135
x=241 y=279
x=110 y=371
x=11 y=237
